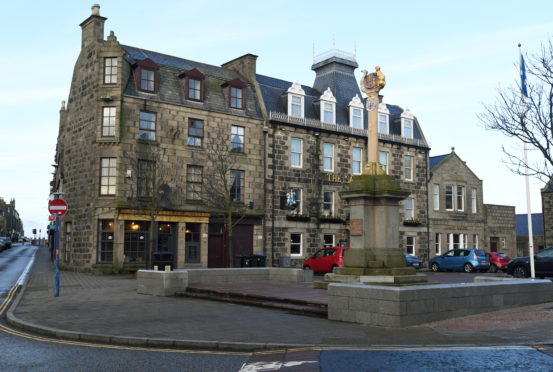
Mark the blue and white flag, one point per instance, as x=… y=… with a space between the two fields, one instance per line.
x=523 y=89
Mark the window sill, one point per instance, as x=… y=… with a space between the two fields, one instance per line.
x=301 y=218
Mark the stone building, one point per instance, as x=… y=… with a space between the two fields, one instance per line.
x=10 y=222
x=144 y=136
x=523 y=233
x=547 y=210
x=458 y=216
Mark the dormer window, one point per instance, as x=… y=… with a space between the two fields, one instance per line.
x=296 y=101
x=407 y=129
x=356 y=109
x=328 y=107
x=146 y=75
x=193 y=85
x=383 y=119
x=237 y=93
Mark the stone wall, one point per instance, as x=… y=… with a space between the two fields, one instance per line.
x=501 y=225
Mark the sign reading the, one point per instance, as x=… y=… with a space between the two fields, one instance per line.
x=58 y=206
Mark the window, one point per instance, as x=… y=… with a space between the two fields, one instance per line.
x=409 y=209
x=356 y=160
x=436 y=196
x=147 y=126
x=236 y=185
x=328 y=113
x=108 y=173
x=408 y=167
x=357 y=118
x=473 y=200
x=383 y=160
x=328 y=203
x=475 y=241
x=195 y=132
x=296 y=155
x=328 y=105
x=407 y=128
x=192 y=239
x=448 y=197
x=236 y=97
x=147 y=80
x=136 y=239
x=328 y=157
x=194 y=89
x=237 y=138
x=194 y=176
x=105 y=241
x=410 y=245
x=293 y=200
x=110 y=70
x=296 y=106
x=438 y=244
x=328 y=240
x=383 y=124
x=455 y=241
x=460 y=198
x=296 y=98
x=145 y=178
x=295 y=244
x=108 y=122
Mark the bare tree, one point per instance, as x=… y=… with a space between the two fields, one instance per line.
x=224 y=188
x=529 y=119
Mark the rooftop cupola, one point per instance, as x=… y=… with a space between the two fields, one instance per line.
x=93 y=27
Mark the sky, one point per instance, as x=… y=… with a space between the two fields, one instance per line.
x=443 y=60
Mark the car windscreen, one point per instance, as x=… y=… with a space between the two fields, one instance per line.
x=501 y=255
x=480 y=252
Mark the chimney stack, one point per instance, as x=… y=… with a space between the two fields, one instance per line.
x=93 y=27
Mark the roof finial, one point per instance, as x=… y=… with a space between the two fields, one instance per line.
x=453 y=149
x=333 y=42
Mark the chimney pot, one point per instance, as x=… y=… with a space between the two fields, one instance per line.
x=95 y=9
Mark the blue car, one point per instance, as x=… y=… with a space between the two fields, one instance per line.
x=467 y=260
x=413 y=261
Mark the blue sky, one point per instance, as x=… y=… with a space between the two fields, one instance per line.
x=441 y=60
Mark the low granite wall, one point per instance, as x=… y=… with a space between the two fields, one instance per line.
x=412 y=305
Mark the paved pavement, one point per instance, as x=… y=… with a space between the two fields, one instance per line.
x=108 y=309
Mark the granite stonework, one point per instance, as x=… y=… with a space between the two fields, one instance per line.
x=390 y=306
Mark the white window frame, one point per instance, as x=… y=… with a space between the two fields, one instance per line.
x=333 y=244
x=438 y=244
x=299 y=154
x=299 y=204
x=383 y=119
x=383 y=166
x=332 y=199
x=453 y=196
x=109 y=114
x=461 y=195
x=407 y=245
x=110 y=70
x=475 y=240
x=331 y=157
x=407 y=121
x=328 y=98
x=357 y=161
x=409 y=209
x=473 y=199
x=356 y=107
x=436 y=196
x=300 y=245
x=408 y=168
x=296 y=91
x=108 y=176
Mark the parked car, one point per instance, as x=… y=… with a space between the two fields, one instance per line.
x=467 y=260
x=325 y=259
x=6 y=242
x=2 y=244
x=543 y=264
x=498 y=261
x=413 y=261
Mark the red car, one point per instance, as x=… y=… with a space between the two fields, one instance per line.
x=325 y=259
x=498 y=261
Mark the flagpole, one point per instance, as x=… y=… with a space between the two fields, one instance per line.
x=523 y=91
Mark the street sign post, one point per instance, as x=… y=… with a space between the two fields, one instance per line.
x=57 y=207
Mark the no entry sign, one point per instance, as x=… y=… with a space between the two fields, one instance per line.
x=58 y=206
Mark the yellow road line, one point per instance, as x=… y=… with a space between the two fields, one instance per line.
x=7 y=300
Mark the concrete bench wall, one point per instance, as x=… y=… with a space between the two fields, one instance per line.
x=406 y=306
x=166 y=283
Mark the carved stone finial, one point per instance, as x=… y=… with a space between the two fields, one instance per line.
x=62 y=105
x=453 y=149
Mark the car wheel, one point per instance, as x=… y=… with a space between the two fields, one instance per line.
x=493 y=268
x=520 y=272
x=468 y=268
x=435 y=267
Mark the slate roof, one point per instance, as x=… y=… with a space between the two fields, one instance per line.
x=435 y=160
x=338 y=75
x=522 y=224
x=171 y=87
